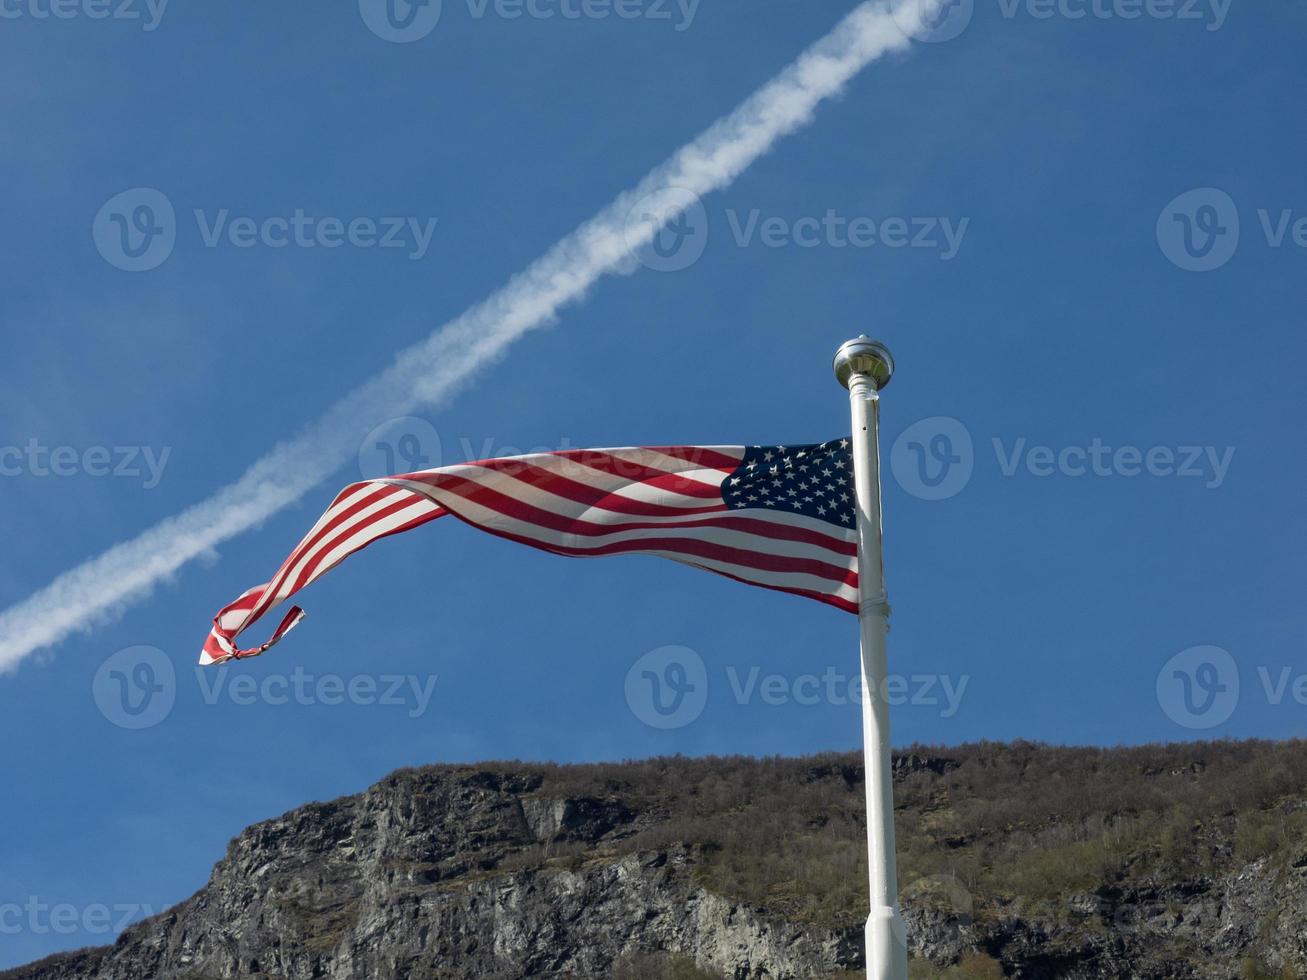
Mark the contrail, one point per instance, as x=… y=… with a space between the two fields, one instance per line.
x=430 y=371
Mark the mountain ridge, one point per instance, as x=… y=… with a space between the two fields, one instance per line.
x=1017 y=859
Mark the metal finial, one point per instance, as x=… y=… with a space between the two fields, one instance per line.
x=864 y=356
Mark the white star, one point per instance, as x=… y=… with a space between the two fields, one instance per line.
x=844 y=518
x=767 y=456
x=844 y=444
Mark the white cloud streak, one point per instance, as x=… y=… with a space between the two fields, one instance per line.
x=431 y=371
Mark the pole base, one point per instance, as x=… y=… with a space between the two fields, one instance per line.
x=887 y=945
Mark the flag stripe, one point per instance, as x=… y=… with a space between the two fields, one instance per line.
x=395 y=514
x=531 y=526
x=538 y=479
x=795 y=581
x=597 y=522
x=842 y=599
x=773 y=517
x=487 y=507
x=667 y=458
x=400 y=514
x=605 y=471
x=355 y=502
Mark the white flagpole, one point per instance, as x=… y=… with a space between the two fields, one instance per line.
x=865 y=367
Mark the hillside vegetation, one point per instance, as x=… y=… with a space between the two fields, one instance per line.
x=1015 y=860
x=985 y=831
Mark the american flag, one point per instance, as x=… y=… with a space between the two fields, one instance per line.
x=781 y=517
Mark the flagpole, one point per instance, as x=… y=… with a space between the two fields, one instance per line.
x=864 y=367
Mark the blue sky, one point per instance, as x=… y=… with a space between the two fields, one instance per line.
x=1067 y=315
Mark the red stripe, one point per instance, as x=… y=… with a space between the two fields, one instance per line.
x=518 y=508
x=634 y=472
x=539 y=477
x=629 y=472
x=381 y=490
x=843 y=576
x=838 y=602
x=406 y=500
x=521 y=510
x=212 y=646
x=681 y=484
x=545 y=481
x=511 y=507
x=698 y=456
x=246 y=601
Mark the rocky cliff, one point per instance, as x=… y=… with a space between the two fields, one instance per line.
x=1022 y=860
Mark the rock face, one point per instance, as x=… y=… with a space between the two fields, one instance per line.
x=515 y=870
x=407 y=880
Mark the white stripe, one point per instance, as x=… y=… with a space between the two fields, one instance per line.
x=644 y=456
x=604 y=482
x=281 y=585
x=347 y=498
x=559 y=505
x=741 y=540
x=355 y=523
x=234 y=620
x=641 y=493
x=571 y=510
x=425 y=499
x=364 y=536
x=623 y=487
x=782 y=580
x=344 y=500
x=790 y=519
x=681 y=526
